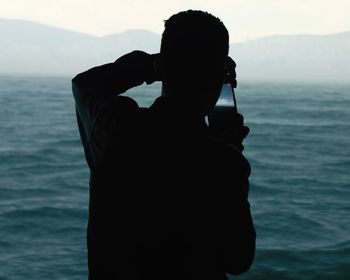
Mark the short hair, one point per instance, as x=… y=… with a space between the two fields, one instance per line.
x=194 y=27
x=192 y=39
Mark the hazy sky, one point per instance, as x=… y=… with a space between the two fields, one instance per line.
x=245 y=19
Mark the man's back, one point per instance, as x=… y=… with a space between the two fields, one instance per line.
x=161 y=192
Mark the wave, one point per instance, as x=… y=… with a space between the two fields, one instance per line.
x=61 y=210
x=300 y=264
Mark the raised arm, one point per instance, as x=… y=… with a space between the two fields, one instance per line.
x=95 y=87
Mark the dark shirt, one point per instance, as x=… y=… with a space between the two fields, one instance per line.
x=167 y=200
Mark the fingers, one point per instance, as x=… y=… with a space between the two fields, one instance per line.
x=245 y=131
x=231 y=62
x=231 y=71
x=238 y=120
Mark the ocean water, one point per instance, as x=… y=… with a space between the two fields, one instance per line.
x=299 y=149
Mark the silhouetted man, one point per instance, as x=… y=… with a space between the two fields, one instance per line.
x=168 y=199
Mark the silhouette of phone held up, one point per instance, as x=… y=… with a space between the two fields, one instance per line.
x=220 y=118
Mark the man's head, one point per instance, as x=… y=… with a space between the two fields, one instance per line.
x=193 y=53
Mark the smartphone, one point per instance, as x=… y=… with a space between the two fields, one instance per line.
x=226 y=98
x=225 y=108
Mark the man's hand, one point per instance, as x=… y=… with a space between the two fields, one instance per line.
x=230 y=68
x=236 y=132
x=142 y=64
x=229 y=128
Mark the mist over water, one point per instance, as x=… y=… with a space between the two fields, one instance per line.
x=298 y=148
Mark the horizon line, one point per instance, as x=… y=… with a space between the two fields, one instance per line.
x=156 y=33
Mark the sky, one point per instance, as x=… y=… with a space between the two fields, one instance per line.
x=245 y=19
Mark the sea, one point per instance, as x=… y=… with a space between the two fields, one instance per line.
x=298 y=147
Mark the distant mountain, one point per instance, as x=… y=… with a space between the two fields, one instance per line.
x=295 y=57
x=33 y=48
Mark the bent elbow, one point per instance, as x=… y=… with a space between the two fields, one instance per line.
x=75 y=81
x=76 y=87
x=75 y=90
